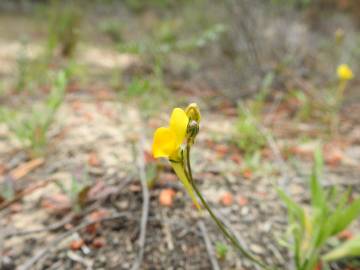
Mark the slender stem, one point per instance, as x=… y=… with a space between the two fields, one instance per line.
x=218 y=222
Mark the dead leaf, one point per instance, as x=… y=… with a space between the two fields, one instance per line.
x=56 y=203
x=236 y=158
x=98 y=215
x=345 y=235
x=93 y=160
x=227 y=199
x=241 y=200
x=166 y=197
x=104 y=94
x=82 y=196
x=247 y=173
x=23 y=169
x=221 y=149
x=16 y=208
x=135 y=188
x=99 y=242
x=76 y=244
x=100 y=190
x=2 y=169
x=318 y=266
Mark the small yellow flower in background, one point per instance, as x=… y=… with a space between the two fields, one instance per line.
x=344 y=72
x=168 y=142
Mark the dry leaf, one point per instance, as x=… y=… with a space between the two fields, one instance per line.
x=82 y=196
x=99 y=242
x=93 y=160
x=221 y=149
x=241 y=200
x=76 y=244
x=166 y=197
x=57 y=203
x=2 y=169
x=25 y=168
x=236 y=158
x=227 y=199
x=345 y=235
x=247 y=173
x=98 y=215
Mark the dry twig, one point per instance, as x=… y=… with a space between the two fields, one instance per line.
x=145 y=207
x=209 y=248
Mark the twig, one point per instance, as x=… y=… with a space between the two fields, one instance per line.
x=209 y=248
x=25 y=192
x=52 y=227
x=167 y=232
x=145 y=207
x=77 y=258
x=51 y=246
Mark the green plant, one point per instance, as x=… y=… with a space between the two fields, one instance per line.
x=63 y=32
x=7 y=190
x=248 y=137
x=31 y=126
x=174 y=143
x=77 y=192
x=306 y=107
x=312 y=228
x=113 y=29
x=221 y=250
x=150 y=91
x=22 y=67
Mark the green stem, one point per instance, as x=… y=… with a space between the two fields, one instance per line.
x=218 y=222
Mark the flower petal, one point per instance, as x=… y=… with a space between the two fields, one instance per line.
x=178 y=123
x=164 y=143
x=179 y=170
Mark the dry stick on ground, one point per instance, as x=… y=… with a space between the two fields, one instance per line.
x=52 y=227
x=209 y=248
x=25 y=192
x=145 y=208
x=53 y=244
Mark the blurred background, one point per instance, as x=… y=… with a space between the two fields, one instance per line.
x=83 y=82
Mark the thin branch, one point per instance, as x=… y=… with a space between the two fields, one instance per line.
x=145 y=207
x=209 y=247
x=25 y=192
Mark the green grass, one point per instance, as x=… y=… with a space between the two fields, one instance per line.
x=313 y=227
x=31 y=125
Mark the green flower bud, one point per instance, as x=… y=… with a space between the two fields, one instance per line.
x=192 y=111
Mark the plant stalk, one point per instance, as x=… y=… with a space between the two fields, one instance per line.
x=218 y=222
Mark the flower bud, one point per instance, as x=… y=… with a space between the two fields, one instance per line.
x=192 y=129
x=192 y=111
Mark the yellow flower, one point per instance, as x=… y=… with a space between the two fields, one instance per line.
x=167 y=143
x=344 y=72
x=167 y=140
